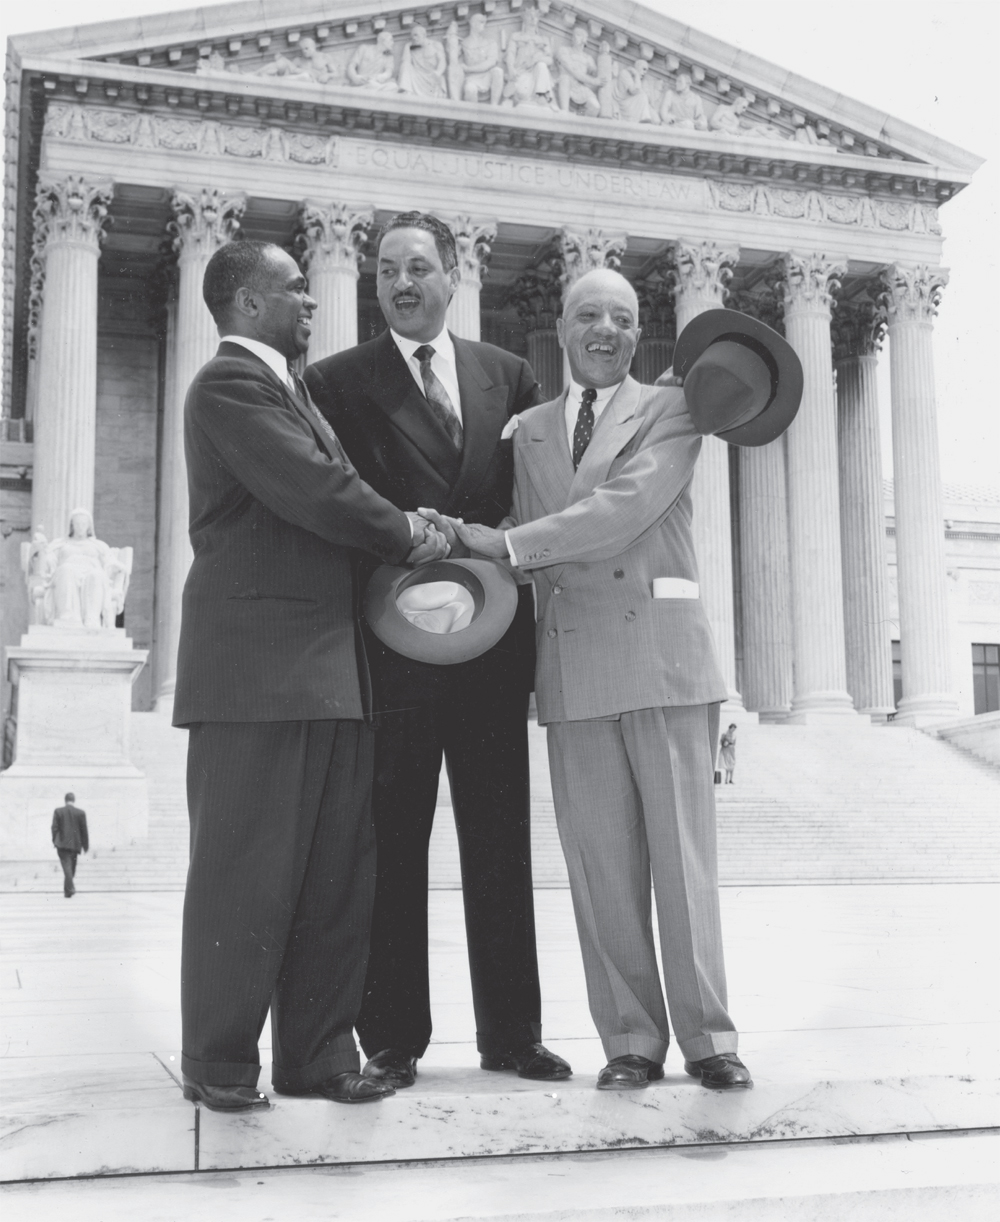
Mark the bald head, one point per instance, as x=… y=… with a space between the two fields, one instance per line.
x=599 y=328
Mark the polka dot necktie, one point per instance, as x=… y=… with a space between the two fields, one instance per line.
x=441 y=405
x=584 y=425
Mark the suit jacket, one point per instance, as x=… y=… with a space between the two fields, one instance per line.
x=369 y=396
x=69 y=829
x=277 y=511
x=594 y=540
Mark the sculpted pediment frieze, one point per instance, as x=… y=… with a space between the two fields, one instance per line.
x=545 y=59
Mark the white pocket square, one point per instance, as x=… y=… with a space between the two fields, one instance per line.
x=510 y=428
x=674 y=587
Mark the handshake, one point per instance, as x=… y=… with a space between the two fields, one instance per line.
x=436 y=536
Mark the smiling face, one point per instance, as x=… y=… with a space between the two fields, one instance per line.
x=279 y=312
x=413 y=287
x=599 y=328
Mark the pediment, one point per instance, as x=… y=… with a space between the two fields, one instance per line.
x=641 y=74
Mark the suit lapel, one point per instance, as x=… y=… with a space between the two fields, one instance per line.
x=618 y=424
x=543 y=449
x=483 y=418
x=394 y=390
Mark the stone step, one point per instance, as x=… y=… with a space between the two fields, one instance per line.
x=865 y=1180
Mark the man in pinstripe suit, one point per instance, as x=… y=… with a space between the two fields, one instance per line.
x=629 y=687
x=270 y=683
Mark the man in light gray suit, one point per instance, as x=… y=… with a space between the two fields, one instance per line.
x=627 y=684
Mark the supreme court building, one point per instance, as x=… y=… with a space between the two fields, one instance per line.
x=553 y=137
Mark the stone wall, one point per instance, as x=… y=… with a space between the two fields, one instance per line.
x=126 y=475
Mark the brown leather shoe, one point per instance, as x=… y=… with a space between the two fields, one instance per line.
x=225 y=1098
x=392 y=1066
x=629 y=1072
x=347 y=1087
x=531 y=1061
x=722 y=1072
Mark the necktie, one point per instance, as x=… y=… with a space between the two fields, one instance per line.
x=436 y=395
x=584 y=425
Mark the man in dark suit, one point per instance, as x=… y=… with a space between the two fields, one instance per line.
x=269 y=681
x=69 y=835
x=420 y=414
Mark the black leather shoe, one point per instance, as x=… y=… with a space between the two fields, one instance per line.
x=723 y=1072
x=531 y=1061
x=392 y=1066
x=225 y=1098
x=347 y=1088
x=629 y=1072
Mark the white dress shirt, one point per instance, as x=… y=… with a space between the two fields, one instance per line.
x=270 y=356
x=442 y=363
x=574 y=397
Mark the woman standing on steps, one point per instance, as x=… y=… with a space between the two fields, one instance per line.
x=727 y=753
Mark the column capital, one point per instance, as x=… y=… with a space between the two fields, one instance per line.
x=857 y=328
x=332 y=236
x=204 y=222
x=657 y=315
x=473 y=243
x=912 y=292
x=703 y=270
x=587 y=250
x=810 y=281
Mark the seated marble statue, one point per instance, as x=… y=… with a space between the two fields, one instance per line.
x=77 y=581
x=373 y=65
x=728 y=119
x=528 y=60
x=474 y=68
x=682 y=107
x=578 y=80
x=631 y=99
x=423 y=65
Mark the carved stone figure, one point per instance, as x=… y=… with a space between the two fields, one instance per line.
x=423 y=66
x=317 y=64
x=373 y=65
x=474 y=69
x=215 y=61
x=578 y=80
x=682 y=107
x=77 y=581
x=632 y=102
x=607 y=71
x=728 y=119
x=528 y=60
x=281 y=65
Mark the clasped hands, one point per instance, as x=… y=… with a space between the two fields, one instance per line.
x=436 y=536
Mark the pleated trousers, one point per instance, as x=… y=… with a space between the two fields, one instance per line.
x=277 y=911
x=635 y=807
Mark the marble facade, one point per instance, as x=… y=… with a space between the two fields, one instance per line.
x=552 y=138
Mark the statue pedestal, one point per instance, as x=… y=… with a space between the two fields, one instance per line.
x=74 y=708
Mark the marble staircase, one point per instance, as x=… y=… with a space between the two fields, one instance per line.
x=811 y=804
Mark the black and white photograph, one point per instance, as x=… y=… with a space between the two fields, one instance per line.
x=500 y=612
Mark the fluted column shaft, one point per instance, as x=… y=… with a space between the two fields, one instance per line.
x=767 y=628
x=69 y=215
x=867 y=636
x=820 y=673
x=472 y=241
x=703 y=270
x=332 y=240
x=911 y=301
x=546 y=360
x=202 y=224
x=652 y=357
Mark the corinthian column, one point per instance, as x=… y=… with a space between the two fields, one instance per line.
x=333 y=239
x=911 y=300
x=820 y=687
x=655 y=349
x=702 y=271
x=69 y=218
x=857 y=330
x=472 y=239
x=202 y=223
x=536 y=295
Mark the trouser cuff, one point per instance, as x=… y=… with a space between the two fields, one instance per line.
x=635 y=1045
x=500 y=1043
x=339 y=1059
x=710 y=1045
x=220 y=1073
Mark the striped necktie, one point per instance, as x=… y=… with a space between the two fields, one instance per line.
x=441 y=405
